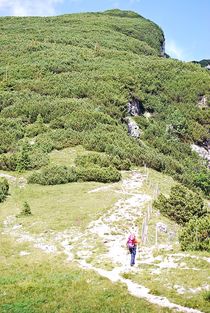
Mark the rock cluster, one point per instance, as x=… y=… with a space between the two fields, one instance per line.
x=133 y=128
x=204 y=153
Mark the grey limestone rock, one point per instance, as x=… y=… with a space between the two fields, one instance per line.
x=133 y=128
x=203 y=102
x=135 y=107
x=204 y=153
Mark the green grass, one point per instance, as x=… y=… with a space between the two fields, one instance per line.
x=34 y=284
x=157 y=181
x=66 y=156
x=58 y=207
x=61 y=206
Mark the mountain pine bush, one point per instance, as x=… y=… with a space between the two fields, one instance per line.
x=196 y=234
x=88 y=67
x=182 y=205
x=57 y=174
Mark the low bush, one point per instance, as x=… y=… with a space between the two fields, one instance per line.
x=96 y=173
x=52 y=175
x=35 y=129
x=202 y=180
x=182 y=205
x=24 y=159
x=196 y=234
x=102 y=160
x=55 y=174
x=11 y=130
x=60 y=139
x=4 y=188
x=45 y=143
x=30 y=157
x=8 y=162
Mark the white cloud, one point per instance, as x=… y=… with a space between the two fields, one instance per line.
x=174 y=50
x=29 y=7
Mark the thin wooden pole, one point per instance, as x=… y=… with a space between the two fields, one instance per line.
x=156 y=235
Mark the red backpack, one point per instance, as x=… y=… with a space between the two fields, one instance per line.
x=131 y=241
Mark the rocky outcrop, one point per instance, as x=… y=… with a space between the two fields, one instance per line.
x=135 y=107
x=133 y=128
x=203 y=102
x=203 y=153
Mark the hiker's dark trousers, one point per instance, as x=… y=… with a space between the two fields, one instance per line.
x=133 y=255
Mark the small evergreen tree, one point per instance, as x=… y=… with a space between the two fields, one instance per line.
x=196 y=234
x=23 y=159
x=182 y=205
x=26 y=209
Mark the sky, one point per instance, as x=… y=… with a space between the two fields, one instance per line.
x=186 y=23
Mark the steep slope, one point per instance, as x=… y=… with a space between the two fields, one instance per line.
x=67 y=80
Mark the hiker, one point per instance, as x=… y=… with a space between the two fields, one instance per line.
x=132 y=245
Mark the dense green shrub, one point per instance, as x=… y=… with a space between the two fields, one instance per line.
x=30 y=157
x=121 y=164
x=196 y=234
x=56 y=174
x=37 y=128
x=23 y=157
x=96 y=173
x=102 y=160
x=59 y=139
x=182 y=204
x=51 y=175
x=4 y=188
x=201 y=180
x=79 y=94
x=27 y=157
x=8 y=162
x=38 y=158
x=11 y=130
x=44 y=143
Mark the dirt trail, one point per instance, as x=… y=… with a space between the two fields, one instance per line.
x=109 y=232
x=21 y=181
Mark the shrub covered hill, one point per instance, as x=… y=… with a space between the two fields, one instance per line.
x=68 y=80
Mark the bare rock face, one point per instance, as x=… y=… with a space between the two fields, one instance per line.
x=133 y=128
x=203 y=102
x=204 y=153
x=135 y=107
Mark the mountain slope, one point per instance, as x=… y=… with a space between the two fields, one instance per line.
x=70 y=85
x=67 y=80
